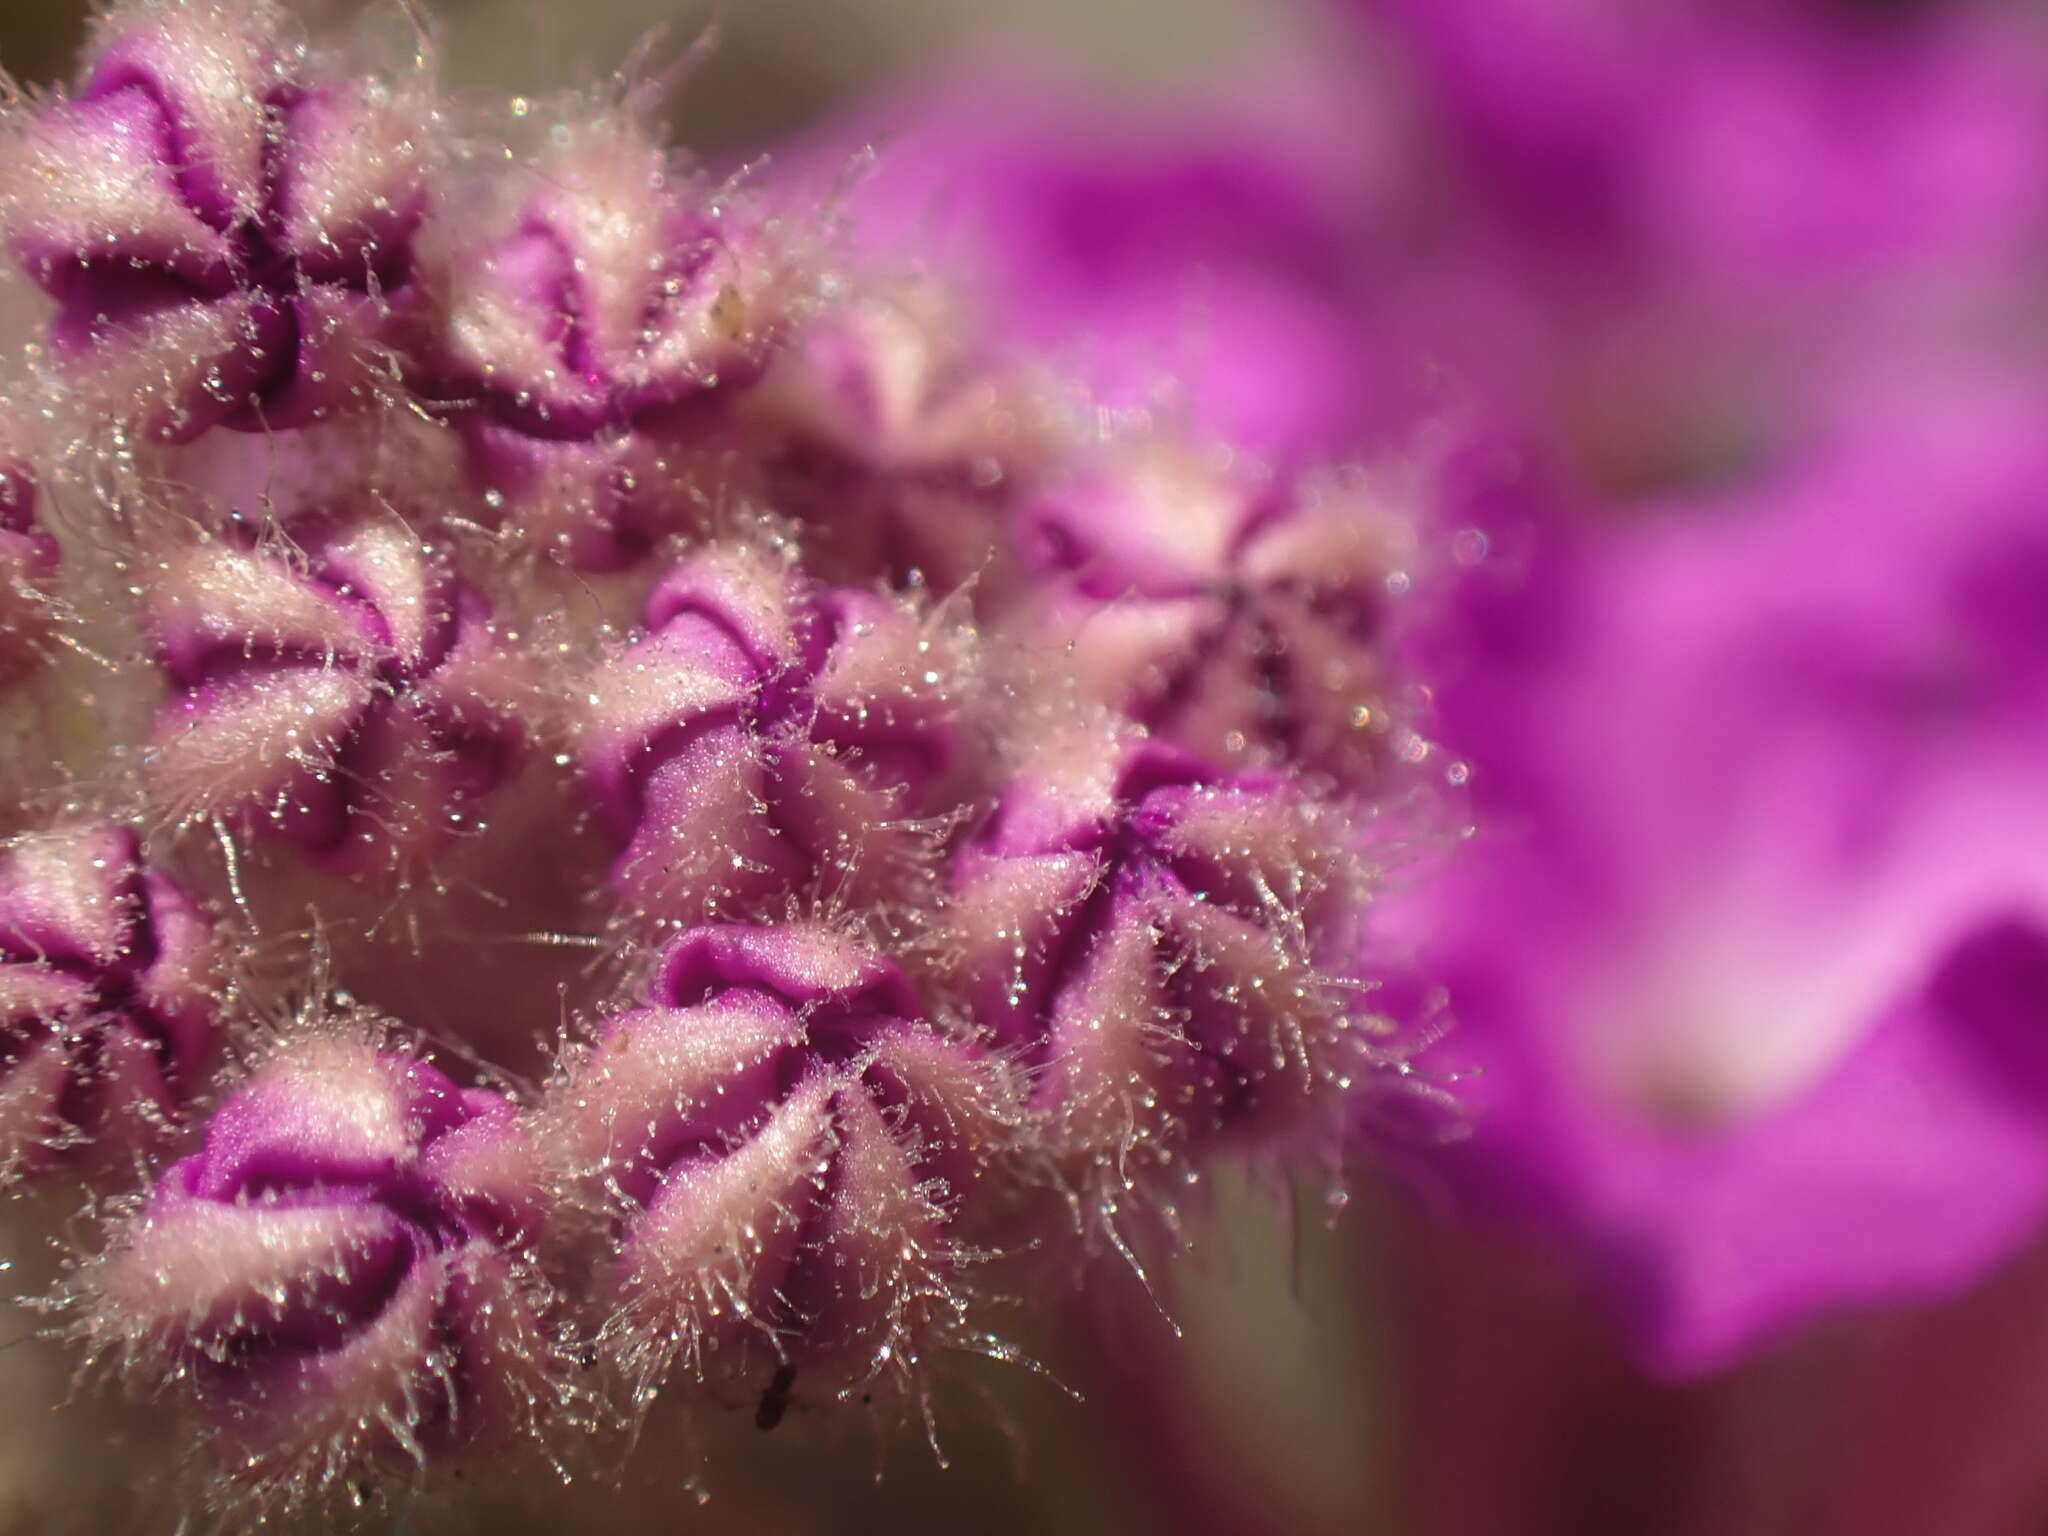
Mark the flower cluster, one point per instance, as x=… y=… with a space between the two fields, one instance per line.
x=971 y=794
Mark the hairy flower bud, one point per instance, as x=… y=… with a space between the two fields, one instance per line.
x=107 y=996
x=1147 y=932
x=1240 y=620
x=894 y=447
x=351 y=697
x=582 y=329
x=221 y=219
x=785 y=1144
x=338 y=1277
x=766 y=735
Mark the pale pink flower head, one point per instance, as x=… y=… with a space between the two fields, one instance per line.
x=223 y=218
x=109 y=988
x=767 y=734
x=338 y=1279
x=1148 y=933
x=1247 y=618
x=897 y=444
x=590 y=317
x=783 y=1143
x=350 y=695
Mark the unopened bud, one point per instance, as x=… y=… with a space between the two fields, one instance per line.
x=785 y=1144
x=352 y=698
x=337 y=1279
x=769 y=735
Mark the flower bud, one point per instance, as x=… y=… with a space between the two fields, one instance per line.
x=1145 y=931
x=338 y=1277
x=221 y=219
x=1246 y=622
x=767 y=735
x=785 y=1145
x=581 y=330
x=353 y=699
x=107 y=996
x=894 y=449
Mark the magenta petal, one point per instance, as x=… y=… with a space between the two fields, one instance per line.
x=807 y=967
x=131 y=212
x=350 y=193
x=1749 y=944
x=1917 y=1164
x=208 y=86
x=1221 y=255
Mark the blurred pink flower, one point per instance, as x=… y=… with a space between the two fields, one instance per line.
x=1664 y=232
x=1753 y=943
x=1208 y=262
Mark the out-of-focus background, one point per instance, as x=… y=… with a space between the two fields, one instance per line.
x=1746 y=1237
x=778 y=63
